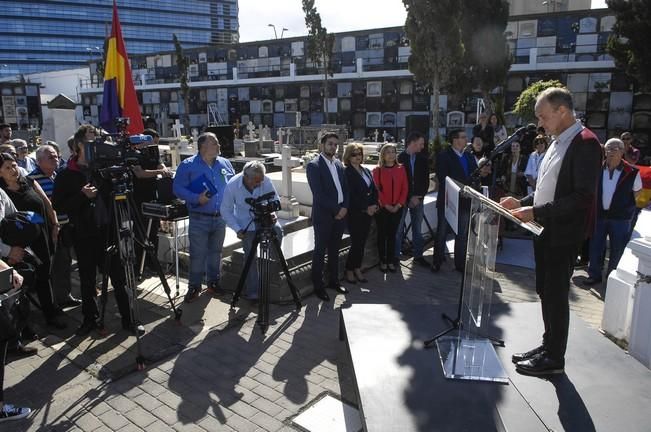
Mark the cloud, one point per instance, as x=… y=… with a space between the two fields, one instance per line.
x=336 y=16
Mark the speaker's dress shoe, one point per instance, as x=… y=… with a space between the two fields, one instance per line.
x=518 y=357
x=320 y=293
x=71 y=301
x=540 y=365
x=591 y=281
x=340 y=289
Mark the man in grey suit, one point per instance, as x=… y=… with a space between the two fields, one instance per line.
x=325 y=175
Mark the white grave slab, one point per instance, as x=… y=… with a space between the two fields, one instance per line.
x=330 y=415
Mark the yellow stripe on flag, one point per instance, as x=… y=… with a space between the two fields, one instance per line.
x=115 y=68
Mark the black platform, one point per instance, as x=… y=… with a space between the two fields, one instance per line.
x=401 y=387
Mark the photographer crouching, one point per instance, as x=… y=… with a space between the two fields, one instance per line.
x=87 y=205
x=244 y=210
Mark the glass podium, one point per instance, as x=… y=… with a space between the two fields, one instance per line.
x=467 y=352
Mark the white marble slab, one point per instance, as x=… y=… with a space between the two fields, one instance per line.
x=330 y=415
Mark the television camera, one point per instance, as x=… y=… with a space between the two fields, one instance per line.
x=262 y=209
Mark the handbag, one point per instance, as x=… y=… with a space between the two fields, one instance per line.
x=21 y=228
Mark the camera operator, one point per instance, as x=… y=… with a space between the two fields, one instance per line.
x=241 y=195
x=144 y=186
x=86 y=201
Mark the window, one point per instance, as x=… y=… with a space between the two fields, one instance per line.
x=373 y=88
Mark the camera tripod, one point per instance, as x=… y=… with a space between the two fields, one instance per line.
x=265 y=237
x=126 y=228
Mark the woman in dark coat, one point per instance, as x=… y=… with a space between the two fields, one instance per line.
x=363 y=205
x=27 y=195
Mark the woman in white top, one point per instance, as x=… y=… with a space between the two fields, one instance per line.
x=535 y=158
x=499 y=131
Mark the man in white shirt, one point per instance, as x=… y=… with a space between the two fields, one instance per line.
x=325 y=175
x=236 y=208
x=562 y=203
x=619 y=184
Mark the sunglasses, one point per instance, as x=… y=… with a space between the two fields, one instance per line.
x=355 y=154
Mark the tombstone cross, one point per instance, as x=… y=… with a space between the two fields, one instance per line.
x=177 y=129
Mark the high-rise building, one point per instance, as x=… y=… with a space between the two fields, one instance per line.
x=46 y=35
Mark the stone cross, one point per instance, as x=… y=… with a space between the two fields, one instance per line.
x=375 y=135
x=260 y=134
x=286 y=185
x=250 y=127
x=289 y=204
x=177 y=129
x=281 y=134
x=266 y=133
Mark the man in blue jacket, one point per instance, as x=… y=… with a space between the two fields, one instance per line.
x=325 y=175
x=200 y=181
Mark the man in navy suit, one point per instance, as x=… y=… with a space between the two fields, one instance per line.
x=453 y=162
x=562 y=203
x=325 y=175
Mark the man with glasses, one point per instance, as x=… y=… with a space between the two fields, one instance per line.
x=631 y=154
x=619 y=184
x=47 y=161
x=24 y=160
x=250 y=184
x=453 y=162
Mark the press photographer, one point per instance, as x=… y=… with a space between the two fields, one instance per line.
x=84 y=196
x=249 y=203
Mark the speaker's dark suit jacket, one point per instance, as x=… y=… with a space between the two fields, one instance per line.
x=325 y=206
x=564 y=220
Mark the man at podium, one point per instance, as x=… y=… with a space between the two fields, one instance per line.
x=562 y=203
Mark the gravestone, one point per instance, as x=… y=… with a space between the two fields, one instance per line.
x=288 y=203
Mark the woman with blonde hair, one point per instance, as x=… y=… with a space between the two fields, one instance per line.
x=390 y=179
x=363 y=205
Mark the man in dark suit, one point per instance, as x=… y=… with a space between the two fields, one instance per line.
x=416 y=164
x=325 y=175
x=562 y=203
x=453 y=162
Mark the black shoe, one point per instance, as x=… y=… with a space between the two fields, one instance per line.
x=215 y=289
x=193 y=293
x=340 y=289
x=539 y=365
x=320 y=293
x=518 y=357
x=581 y=262
x=57 y=322
x=28 y=334
x=71 y=301
x=25 y=351
x=421 y=261
x=361 y=279
x=392 y=268
x=591 y=281
x=86 y=327
x=436 y=267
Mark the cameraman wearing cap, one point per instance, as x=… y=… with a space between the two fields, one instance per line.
x=240 y=196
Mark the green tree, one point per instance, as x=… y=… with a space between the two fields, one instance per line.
x=629 y=44
x=524 y=105
x=183 y=64
x=320 y=46
x=487 y=59
x=434 y=33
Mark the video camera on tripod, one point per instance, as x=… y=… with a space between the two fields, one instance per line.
x=262 y=209
x=112 y=159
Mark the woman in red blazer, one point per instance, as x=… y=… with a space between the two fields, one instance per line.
x=391 y=182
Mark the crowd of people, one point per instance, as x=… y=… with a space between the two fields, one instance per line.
x=556 y=178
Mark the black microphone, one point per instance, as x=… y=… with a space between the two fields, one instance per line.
x=506 y=144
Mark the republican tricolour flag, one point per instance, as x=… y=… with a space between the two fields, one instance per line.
x=119 y=99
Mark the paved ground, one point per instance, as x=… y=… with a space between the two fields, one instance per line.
x=216 y=371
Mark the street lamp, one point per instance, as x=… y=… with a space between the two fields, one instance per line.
x=274 y=27
x=275 y=33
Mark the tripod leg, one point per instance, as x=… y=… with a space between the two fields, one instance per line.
x=144 y=255
x=263 y=275
x=283 y=263
x=108 y=251
x=245 y=271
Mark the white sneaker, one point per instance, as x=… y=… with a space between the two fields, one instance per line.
x=10 y=412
